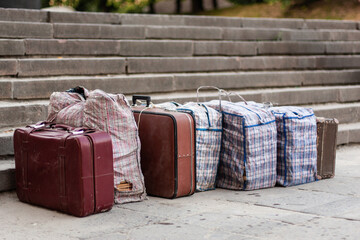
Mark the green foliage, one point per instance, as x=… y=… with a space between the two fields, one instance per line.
x=122 y=6
x=70 y=3
x=129 y=6
x=244 y=2
x=284 y=2
x=287 y=3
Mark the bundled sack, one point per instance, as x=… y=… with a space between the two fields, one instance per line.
x=248 y=151
x=110 y=113
x=297 y=150
x=73 y=101
x=208 y=123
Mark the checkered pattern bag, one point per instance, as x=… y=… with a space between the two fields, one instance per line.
x=297 y=152
x=110 y=113
x=248 y=151
x=208 y=143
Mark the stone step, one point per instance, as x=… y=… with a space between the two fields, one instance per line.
x=277 y=96
x=213 y=64
x=7 y=175
x=289 y=35
x=6 y=141
x=103 y=31
x=63 y=66
x=345 y=113
x=33 y=67
x=23 y=15
x=12 y=47
x=109 y=47
x=25 y=30
x=98 y=31
x=349 y=133
x=78 y=47
x=183 y=20
x=84 y=17
x=299 y=48
x=41 y=88
x=18 y=113
x=10 y=29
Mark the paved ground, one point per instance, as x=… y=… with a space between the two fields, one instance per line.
x=328 y=209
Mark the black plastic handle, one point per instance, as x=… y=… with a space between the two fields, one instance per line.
x=79 y=90
x=141 y=97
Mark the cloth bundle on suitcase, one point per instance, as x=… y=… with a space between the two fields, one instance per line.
x=248 y=151
x=208 y=123
x=110 y=113
x=296 y=140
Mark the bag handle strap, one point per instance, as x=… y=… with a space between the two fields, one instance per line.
x=220 y=93
x=236 y=94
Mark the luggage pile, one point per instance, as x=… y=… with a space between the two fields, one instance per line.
x=96 y=150
x=109 y=113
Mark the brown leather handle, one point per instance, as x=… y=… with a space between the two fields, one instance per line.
x=49 y=125
x=41 y=126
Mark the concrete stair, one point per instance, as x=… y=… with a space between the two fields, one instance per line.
x=313 y=63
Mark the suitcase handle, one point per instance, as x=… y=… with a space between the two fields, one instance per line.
x=49 y=125
x=74 y=131
x=62 y=126
x=141 y=97
x=42 y=125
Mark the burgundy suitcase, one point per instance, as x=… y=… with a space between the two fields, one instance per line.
x=167 y=150
x=327 y=129
x=64 y=169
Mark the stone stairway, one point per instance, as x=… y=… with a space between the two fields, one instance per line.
x=313 y=63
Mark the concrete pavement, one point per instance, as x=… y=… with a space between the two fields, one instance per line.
x=327 y=209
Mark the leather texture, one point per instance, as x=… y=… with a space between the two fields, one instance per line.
x=59 y=170
x=167 y=151
x=327 y=129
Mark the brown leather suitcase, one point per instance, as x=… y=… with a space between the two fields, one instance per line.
x=327 y=129
x=64 y=169
x=167 y=151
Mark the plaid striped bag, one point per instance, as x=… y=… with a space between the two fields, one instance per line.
x=69 y=100
x=296 y=139
x=248 y=150
x=110 y=113
x=208 y=143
